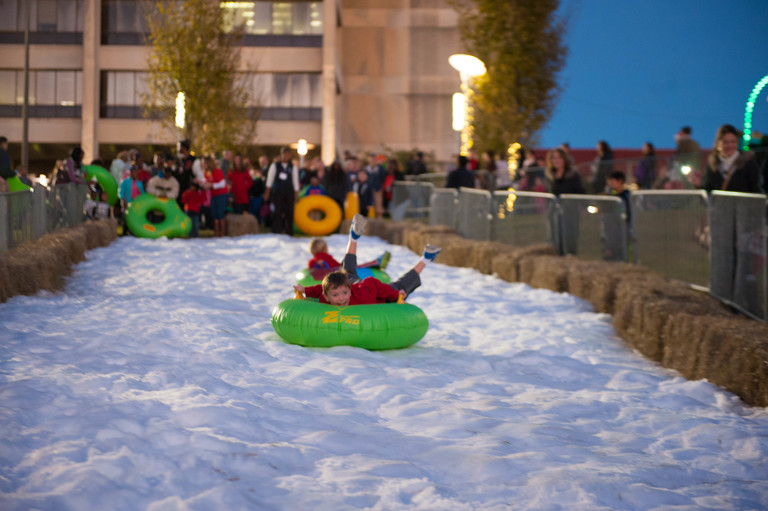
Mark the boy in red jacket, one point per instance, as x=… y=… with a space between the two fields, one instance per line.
x=193 y=199
x=342 y=288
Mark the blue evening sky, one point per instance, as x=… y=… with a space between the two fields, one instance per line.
x=638 y=70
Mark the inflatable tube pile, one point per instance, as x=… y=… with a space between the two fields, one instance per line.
x=327 y=207
x=175 y=224
x=383 y=326
x=307 y=277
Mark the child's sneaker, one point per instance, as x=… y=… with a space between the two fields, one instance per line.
x=430 y=252
x=358 y=226
x=383 y=260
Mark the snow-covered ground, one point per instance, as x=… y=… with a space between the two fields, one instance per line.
x=155 y=381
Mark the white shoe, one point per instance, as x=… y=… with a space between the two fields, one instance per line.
x=358 y=226
x=430 y=252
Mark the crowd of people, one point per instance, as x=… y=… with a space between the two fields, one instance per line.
x=210 y=187
x=727 y=168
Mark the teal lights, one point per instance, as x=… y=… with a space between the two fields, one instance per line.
x=750 y=107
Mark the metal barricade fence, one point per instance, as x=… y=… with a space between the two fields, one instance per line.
x=28 y=215
x=670 y=233
x=444 y=205
x=739 y=255
x=592 y=227
x=474 y=214
x=410 y=199
x=523 y=218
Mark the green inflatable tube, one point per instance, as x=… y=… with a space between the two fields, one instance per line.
x=105 y=180
x=383 y=326
x=15 y=184
x=176 y=223
x=307 y=277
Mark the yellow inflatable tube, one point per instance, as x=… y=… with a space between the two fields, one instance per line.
x=329 y=209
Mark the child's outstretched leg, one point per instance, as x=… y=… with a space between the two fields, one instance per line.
x=349 y=264
x=411 y=280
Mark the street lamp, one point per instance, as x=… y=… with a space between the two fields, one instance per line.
x=468 y=67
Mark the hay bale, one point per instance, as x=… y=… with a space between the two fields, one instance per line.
x=395 y=233
x=729 y=351
x=240 y=225
x=481 y=258
x=504 y=266
x=6 y=290
x=549 y=272
x=455 y=249
x=595 y=281
x=645 y=304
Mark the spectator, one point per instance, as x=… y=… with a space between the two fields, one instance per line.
x=241 y=182
x=687 y=152
x=728 y=168
x=6 y=171
x=335 y=183
x=72 y=170
x=616 y=181
x=394 y=173
x=193 y=199
x=313 y=188
x=21 y=171
x=131 y=187
x=282 y=189
x=96 y=206
x=256 y=195
x=119 y=166
x=564 y=179
x=364 y=192
x=188 y=167
x=645 y=173
x=461 y=176
x=415 y=165
x=164 y=184
x=602 y=166
x=215 y=182
x=226 y=162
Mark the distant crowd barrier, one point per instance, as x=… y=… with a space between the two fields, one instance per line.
x=28 y=215
x=718 y=243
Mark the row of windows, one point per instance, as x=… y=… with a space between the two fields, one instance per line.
x=266 y=23
x=59 y=93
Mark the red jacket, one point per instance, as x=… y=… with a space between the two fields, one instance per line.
x=241 y=183
x=193 y=200
x=367 y=292
x=323 y=260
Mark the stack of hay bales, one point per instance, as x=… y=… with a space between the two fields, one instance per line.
x=44 y=264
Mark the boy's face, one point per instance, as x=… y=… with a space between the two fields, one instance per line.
x=339 y=296
x=615 y=184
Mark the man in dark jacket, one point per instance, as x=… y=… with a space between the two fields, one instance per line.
x=461 y=176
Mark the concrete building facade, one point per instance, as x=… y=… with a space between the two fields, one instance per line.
x=356 y=75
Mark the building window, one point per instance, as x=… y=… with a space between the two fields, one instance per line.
x=297 y=23
x=50 y=21
x=52 y=93
x=280 y=96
